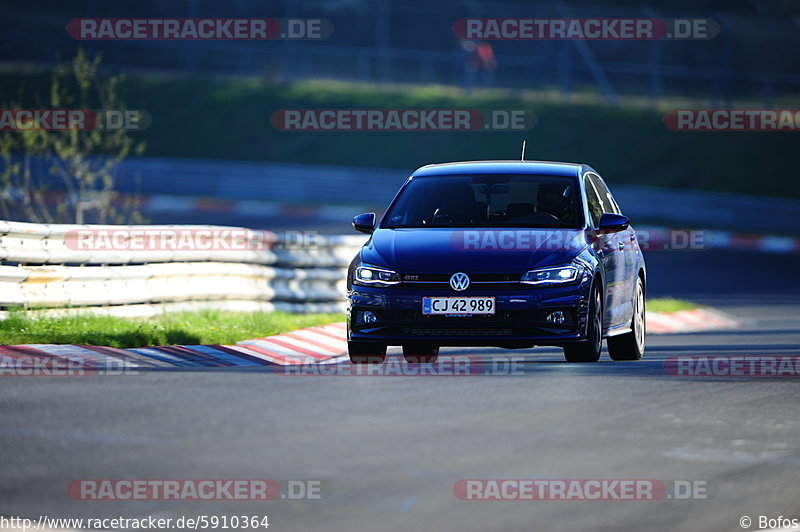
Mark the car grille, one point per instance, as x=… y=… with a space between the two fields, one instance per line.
x=450 y=331
x=493 y=281
x=500 y=320
x=511 y=323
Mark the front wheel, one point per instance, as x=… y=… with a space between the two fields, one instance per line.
x=366 y=352
x=630 y=346
x=589 y=350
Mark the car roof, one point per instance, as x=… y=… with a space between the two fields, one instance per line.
x=501 y=167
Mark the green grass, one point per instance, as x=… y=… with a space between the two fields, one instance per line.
x=669 y=304
x=229 y=119
x=187 y=328
x=205 y=327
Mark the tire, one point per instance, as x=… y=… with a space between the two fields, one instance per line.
x=420 y=354
x=630 y=346
x=589 y=350
x=366 y=352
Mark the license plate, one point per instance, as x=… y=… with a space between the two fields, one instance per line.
x=458 y=306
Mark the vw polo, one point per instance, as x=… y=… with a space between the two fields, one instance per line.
x=510 y=254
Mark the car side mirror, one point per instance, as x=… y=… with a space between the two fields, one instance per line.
x=364 y=223
x=613 y=223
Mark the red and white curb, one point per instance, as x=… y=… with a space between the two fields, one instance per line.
x=311 y=346
x=314 y=345
x=205 y=205
x=695 y=320
x=320 y=345
x=663 y=238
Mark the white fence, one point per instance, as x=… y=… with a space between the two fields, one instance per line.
x=42 y=266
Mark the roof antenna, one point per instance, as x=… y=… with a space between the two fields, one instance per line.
x=523 y=151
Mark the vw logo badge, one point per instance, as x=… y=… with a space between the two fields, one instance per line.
x=459 y=281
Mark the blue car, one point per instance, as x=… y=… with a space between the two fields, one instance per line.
x=511 y=254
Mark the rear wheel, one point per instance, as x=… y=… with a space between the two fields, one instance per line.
x=630 y=346
x=366 y=352
x=420 y=353
x=589 y=350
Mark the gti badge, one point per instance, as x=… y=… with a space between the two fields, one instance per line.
x=459 y=281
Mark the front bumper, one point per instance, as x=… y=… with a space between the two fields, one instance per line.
x=519 y=321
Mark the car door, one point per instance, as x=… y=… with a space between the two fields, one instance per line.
x=607 y=251
x=626 y=257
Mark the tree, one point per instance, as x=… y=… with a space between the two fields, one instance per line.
x=81 y=164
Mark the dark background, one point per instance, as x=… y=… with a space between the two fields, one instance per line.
x=597 y=102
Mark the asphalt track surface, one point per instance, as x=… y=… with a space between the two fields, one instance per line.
x=391 y=449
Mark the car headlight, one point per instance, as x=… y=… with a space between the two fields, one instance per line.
x=552 y=276
x=372 y=275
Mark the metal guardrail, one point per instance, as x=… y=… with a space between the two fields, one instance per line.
x=42 y=272
x=40 y=268
x=373 y=188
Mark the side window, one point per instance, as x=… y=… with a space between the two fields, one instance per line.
x=606 y=199
x=595 y=208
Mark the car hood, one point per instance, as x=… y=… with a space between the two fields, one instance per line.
x=441 y=250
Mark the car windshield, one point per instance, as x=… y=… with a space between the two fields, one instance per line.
x=486 y=201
